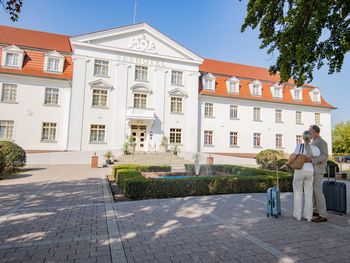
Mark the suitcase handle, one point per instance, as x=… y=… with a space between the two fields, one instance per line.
x=329 y=173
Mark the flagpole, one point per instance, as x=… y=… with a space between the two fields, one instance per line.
x=135 y=7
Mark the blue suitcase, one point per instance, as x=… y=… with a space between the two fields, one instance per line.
x=274 y=201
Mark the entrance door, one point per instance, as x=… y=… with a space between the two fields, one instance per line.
x=139 y=132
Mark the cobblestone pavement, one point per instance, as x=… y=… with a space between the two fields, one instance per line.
x=65 y=214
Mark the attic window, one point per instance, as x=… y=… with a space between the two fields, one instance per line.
x=12 y=57
x=53 y=62
x=277 y=91
x=316 y=96
x=232 y=85
x=298 y=94
x=208 y=82
x=255 y=88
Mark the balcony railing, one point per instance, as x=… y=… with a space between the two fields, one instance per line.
x=140 y=113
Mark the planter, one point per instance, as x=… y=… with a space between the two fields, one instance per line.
x=163 y=148
x=94 y=161
x=210 y=160
x=109 y=162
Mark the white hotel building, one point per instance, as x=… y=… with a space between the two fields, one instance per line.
x=90 y=92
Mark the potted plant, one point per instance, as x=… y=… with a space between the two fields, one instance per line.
x=176 y=150
x=108 y=155
x=163 y=147
x=126 y=148
x=131 y=143
x=210 y=159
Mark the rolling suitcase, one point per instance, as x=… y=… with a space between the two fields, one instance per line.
x=335 y=195
x=274 y=201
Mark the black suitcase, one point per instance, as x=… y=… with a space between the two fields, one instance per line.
x=335 y=195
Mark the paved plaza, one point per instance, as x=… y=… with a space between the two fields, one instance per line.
x=65 y=214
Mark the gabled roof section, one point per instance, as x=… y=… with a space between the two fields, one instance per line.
x=100 y=83
x=177 y=92
x=90 y=39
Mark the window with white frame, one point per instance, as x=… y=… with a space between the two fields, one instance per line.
x=277 y=92
x=298 y=94
x=48 y=132
x=317 y=118
x=53 y=64
x=279 y=141
x=9 y=93
x=233 y=139
x=278 y=116
x=299 y=139
x=99 y=97
x=141 y=73
x=208 y=82
x=176 y=78
x=175 y=136
x=208 y=137
x=208 y=110
x=6 y=130
x=176 y=104
x=232 y=85
x=316 y=96
x=257 y=139
x=257 y=114
x=298 y=117
x=140 y=100
x=233 y=112
x=101 y=68
x=97 y=133
x=51 y=96
x=11 y=59
x=256 y=88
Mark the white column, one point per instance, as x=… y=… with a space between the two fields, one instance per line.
x=192 y=128
x=76 y=114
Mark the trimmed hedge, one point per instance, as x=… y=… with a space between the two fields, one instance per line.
x=141 y=168
x=14 y=156
x=2 y=165
x=135 y=186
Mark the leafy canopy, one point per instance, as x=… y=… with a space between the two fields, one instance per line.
x=12 y=8
x=341 y=138
x=305 y=34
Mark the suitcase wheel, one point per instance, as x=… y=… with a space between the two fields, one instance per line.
x=267 y=215
x=276 y=216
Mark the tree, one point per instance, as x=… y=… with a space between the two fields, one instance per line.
x=305 y=33
x=12 y=8
x=341 y=138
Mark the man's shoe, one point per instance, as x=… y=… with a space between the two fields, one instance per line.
x=319 y=219
x=315 y=214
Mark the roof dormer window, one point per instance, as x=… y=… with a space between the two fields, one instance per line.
x=208 y=82
x=53 y=62
x=12 y=57
x=232 y=85
x=255 y=88
x=297 y=93
x=277 y=91
x=315 y=95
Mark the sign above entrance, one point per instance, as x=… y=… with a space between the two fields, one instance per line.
x=141 y=61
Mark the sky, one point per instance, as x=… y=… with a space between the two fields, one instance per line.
x=210 y=28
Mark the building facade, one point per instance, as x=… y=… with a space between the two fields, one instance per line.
x=91 y=92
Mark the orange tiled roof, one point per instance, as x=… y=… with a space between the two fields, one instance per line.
x=224 y=70
x=35 y=44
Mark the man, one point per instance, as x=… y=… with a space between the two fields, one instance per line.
x=320 y=163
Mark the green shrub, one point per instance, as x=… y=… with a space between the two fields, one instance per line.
x=142 y=168
x=135 y=186
x=14 y=155
x=281 y=162
x=267 y=159
x=2 y=165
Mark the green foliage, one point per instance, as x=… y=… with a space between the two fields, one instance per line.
x=142 y=168
x=108 y=155
x=2 y=165
x=341 y=138
x=305 y=34
x=12 y=8
x=268 y=159
x=14 y=155
x=164 y=141
x=135 y=186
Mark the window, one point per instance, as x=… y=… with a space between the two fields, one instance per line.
x=6 y=130
x=255 y=88
x=49 y=131
x=101 y=68
x=317 y=118
x=316 y=96
x=257 y=140
x=141 y=73
x=298 y=94
x=51 y=96
x=277 y=92
x=53 y=64
x=140 y=100
x=299 y=139
x=232 y=85
x=233 y=138
x=298 y=117
x=279 y=140
x=257 y=114
x=208 y=137
x=208 y=82
x=9 y=93
x=176 y=104
x=11 y=59
x=233 y=112
x=176 y=78
x=99 y=98
x=97 y=133
x=208 y=110
x=278 y=116
x=175 y=135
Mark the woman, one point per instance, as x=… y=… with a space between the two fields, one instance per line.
x=303 y=178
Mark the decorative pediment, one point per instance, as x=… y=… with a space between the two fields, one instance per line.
x=100 y=83
x=12 y=48
x=177 y=92
x=141 y=88
x=54 y=54
x=208 y=76
x=142 y=43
